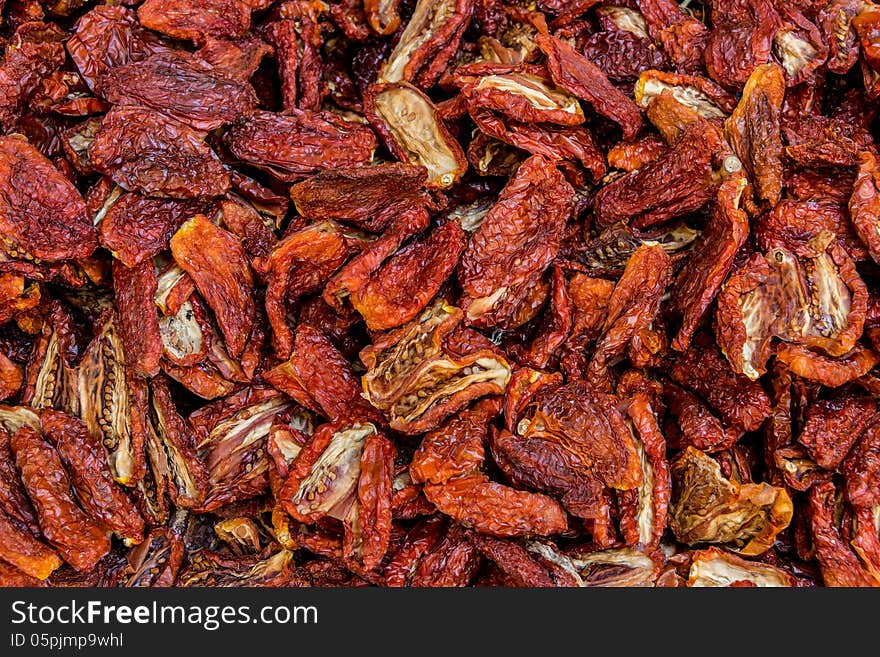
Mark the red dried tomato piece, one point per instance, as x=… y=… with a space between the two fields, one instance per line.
x=697 y=425
x=216 y=261
x=644 y=510
x=196 y=20
x=701 y=277
x=181 y=86
x=840 y=565
x=321 y=379
x=740 y=402
x=395 y=293
x=299 y=264
x=411 y=127
x=663 y=189
x=831 y=372
x=42 y=214
x=301 y=142
x=431 y=36
x=148 y=152
x=792 y=224
x=632 y=306
x=816 y=300
x=515 y=243
x=833 y=425
x=577 y=75
x=524 y=96
x=862 y=469
x=99 y=495
x=135 y=291
x=497 y=510
x=423 y=372
x=366 y=196
x=741 y=39
x=76 y=536
x=554 y=142
x=456 y=448
x=682 y=36
x=753 y=130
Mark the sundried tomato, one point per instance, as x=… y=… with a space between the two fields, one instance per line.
x=439 y=293
x=147 y=152
x=42 y=214
x=515 y=242
x=216 y=261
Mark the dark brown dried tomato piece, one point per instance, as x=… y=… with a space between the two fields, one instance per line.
x=157 y=560
x=292 y=145
x=697 y=426
x=740 y=403
x=454 y=561
x=216 y=261
x=148 y=152
x=231 y=436
x=14 y=502
x=42 y=214
x=707 y=508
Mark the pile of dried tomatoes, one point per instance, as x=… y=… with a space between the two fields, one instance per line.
x=439 y=292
